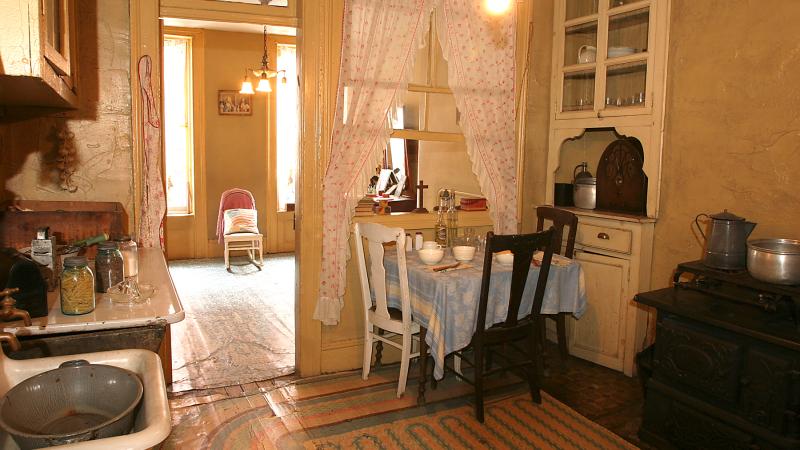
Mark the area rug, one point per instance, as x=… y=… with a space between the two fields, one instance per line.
x=239 y=325
x=343 y=412
x=514 y=422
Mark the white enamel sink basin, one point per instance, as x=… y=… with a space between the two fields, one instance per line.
x=152 y=423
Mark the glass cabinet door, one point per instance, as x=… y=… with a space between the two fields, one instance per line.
x=56 y=21
x=580 y=55
x=605 y=52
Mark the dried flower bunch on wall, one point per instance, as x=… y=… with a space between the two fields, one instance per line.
x=67 y=161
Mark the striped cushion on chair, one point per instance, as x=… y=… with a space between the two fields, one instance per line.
x=240 y=221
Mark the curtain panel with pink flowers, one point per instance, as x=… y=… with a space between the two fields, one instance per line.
x=379 y=42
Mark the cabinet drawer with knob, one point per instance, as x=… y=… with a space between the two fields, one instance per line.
x=605 y=238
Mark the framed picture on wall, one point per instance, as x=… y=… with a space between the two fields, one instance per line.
x=232 y=103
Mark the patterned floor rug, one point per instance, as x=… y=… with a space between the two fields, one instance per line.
x=343 y=412
x=239 y=325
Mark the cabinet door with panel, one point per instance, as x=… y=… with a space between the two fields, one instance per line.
x=599 y=335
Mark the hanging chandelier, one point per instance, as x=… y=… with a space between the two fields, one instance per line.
x=262 y=75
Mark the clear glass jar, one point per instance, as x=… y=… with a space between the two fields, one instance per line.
x=108 y=265
x=130 y=257
x=77 y=286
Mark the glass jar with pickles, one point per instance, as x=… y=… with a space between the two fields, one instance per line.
x=77 y=286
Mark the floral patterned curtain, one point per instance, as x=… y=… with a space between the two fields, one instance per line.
x=378 y=49
x=479 y=49
x=380 y=39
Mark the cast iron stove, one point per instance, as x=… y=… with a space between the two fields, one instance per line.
x=740 y=287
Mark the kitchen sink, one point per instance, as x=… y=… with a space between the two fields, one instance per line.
x=152 y=424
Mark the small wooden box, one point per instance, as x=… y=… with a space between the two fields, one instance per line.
x=68 y=221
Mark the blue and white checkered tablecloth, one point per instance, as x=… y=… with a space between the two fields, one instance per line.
x=446 y=303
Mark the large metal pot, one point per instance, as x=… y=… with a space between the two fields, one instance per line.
x=774 y=260
x=76 y=402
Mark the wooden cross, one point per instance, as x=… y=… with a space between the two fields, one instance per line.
x=421 y=208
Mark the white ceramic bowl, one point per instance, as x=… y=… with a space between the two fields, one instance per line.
x=505 y=259
x=430 y=244
x=463 y=252
x=431 y=256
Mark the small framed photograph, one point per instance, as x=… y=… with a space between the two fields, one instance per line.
x=232 y=103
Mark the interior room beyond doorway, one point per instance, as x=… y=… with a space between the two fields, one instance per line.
x=240 y=323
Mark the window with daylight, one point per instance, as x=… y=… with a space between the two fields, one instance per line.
x=287 y=126
x=178 y=129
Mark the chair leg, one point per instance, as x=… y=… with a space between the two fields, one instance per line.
x=260 y=251
x=367 y=352
x=479 y=381
x=561 y=326
x=405 y=359
x=457 y=365
x=227 y=257
x=536 y=366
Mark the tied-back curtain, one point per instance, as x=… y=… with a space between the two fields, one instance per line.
x=479 y=49
x=380 y=39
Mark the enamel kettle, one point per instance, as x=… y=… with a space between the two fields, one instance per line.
x=726 y=243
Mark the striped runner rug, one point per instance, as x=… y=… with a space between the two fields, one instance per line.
x=345 y=412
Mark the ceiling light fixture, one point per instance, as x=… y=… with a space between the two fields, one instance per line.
x=263 y=74
x=497 y=7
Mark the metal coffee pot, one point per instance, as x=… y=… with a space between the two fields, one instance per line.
x=726 y=243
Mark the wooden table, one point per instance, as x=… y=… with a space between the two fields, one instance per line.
x=445 y=303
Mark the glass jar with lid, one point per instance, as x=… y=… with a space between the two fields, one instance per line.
x=108 y=265
x=77 y=286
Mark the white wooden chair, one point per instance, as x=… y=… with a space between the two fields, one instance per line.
x=248 y=242
x=397 y=322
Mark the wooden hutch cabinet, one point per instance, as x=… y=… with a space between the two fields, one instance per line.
x=608 y=83
x=38 y=52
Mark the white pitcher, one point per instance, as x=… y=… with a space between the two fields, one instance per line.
x=587 y=54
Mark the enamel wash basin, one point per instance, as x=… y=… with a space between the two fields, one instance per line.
x=152 y=422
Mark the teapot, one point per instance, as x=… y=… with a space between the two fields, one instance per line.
x=726 y=243
x=587 y=54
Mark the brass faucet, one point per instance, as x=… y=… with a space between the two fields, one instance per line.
x=11 y=340
x=8 y=311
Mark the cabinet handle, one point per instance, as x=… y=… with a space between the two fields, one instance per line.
x=603 y=236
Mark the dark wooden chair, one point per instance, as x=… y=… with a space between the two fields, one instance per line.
x=522 y=336
x=560 y=219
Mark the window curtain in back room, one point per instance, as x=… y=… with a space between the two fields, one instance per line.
x=379 y=43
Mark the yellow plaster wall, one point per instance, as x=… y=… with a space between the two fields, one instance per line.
x=101 y=124
x=236 y=146
x=732 y=130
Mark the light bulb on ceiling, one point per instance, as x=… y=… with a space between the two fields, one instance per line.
x=263 y=84
x=497 y=7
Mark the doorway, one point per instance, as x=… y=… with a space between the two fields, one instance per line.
x=239 y=325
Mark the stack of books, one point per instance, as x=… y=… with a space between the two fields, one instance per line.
x=365 y=207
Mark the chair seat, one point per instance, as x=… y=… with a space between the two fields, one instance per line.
x=242 y=236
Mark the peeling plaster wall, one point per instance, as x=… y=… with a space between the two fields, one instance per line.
x=732 y=130
x=101 y=124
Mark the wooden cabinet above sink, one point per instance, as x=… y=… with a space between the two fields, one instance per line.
x=37 y=54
